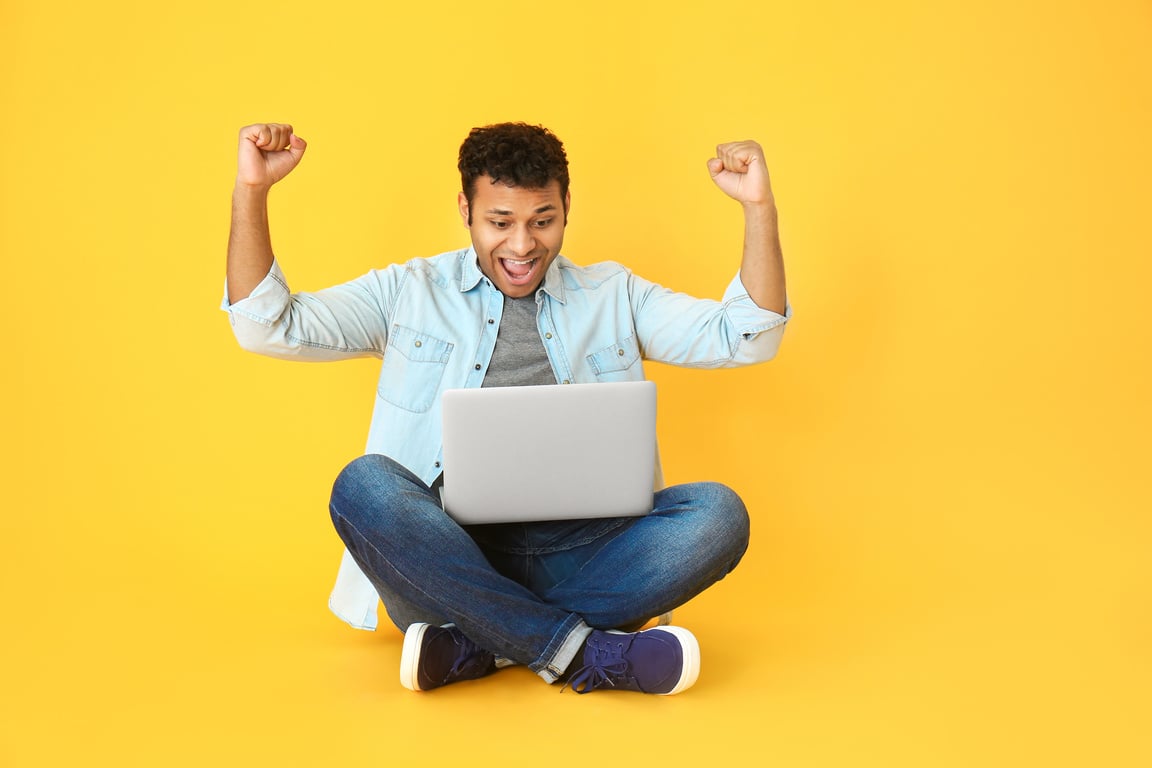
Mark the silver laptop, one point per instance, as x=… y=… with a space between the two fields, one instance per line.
x=515 y=454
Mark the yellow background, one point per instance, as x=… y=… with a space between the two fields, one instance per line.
x=946 y=465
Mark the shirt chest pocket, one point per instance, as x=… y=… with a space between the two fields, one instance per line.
x=614 y=361
x=414 y=365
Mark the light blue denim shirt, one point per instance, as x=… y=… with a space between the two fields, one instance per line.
x=434 y=323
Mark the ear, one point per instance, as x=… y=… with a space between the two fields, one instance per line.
x=462 y=202
x=567 y=205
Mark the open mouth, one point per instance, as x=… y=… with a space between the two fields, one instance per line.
x=519 y=271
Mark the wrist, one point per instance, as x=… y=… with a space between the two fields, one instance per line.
x=250 y=193
x=761 y=209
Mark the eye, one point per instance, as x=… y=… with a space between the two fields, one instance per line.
x=500 y=224
x=540 y=224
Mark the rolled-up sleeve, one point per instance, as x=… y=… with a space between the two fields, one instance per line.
x=760 y=330
x=683 y=330
x=345 y=321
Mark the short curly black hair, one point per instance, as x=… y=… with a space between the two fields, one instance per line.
x=517 y=154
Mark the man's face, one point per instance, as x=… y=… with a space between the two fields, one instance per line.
x=516 y=232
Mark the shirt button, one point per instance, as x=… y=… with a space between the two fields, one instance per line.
x=477 y=366
x=620 y=352
x=547 y=335
x=419 y=344
x=490 y=321
x=437 y=465
x=566 y=381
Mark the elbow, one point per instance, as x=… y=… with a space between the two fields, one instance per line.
x=766 y=355
x=250 y=344
x=769 y=355
x=253 y=336
x=759 y=347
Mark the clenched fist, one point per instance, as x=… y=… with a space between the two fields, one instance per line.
x=740 y=171
x=268 y=153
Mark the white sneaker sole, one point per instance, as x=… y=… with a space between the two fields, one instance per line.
x=410 y=656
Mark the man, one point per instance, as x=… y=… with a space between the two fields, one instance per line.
x=564 y=598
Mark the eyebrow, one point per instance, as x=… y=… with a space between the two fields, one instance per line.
x=502 y=212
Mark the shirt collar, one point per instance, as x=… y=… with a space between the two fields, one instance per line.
x=470 y=275
x=553 y=284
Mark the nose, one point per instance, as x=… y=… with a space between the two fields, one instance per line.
x=521 y=242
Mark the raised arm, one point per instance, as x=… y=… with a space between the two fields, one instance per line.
x=740 y=171
x=268 y=152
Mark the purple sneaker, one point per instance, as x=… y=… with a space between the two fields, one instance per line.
x=664 y=660
x=436 y=656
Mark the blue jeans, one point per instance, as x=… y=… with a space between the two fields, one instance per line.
x=532 y=592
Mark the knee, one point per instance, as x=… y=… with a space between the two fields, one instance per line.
x=711 y=511
x=364 y=480
x=727 y=515
x=358 y=474
x=364 y=469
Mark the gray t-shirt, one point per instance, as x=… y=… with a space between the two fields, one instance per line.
x=519 y=358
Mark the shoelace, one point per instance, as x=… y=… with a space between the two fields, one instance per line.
x=607 y=662
x=468 y=654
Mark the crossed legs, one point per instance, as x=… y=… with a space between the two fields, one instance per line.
x=534 y=593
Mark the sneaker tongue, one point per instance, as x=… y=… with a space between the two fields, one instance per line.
x=516 y=269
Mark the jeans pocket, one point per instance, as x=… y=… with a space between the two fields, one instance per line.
x=613 y=362
x=414 y=365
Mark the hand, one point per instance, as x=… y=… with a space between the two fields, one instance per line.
x=268 y=153
x=740 y=171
